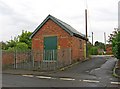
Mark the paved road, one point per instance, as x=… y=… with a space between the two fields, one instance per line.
x=96 y=72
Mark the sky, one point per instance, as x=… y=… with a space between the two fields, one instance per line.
x=18 y=15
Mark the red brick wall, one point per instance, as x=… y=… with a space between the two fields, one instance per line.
x=64 y=39
x=109 y=50
x=77 y=50
x=7 y=58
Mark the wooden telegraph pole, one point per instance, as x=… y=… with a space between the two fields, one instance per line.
x=86 y=32
x=92 y=38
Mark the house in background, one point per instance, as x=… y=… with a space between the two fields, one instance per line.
x=109 y=49
x=54 y=36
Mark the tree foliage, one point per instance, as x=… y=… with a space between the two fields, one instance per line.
x=21 y=42
x=116 y=45
x=21 y=46
x=24 y=37
x=93 y=51
x=11 y=43
x=112 y=36
x=100 y=45
x=3 y=45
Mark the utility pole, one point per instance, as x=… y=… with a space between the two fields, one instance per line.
x=105 y=39
x=86 y=22
x=92 y=38
x=86 y=32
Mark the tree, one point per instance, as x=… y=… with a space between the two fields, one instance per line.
x=11 y=44
x=112 y=36
x=116 y=47
x=18 y=42
x=100 y=45
x=3 y=45
x=24 y=37
x=21 y=46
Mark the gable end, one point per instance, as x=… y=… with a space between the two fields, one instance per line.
x=50 y=17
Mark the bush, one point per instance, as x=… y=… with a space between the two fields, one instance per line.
x=93 y=51
x=21 y=46
x=11 y=49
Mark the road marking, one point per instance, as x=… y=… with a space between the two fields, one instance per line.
x=28 y=75
x=97 y=68
x=53 y=78
x=92 y=81
x=118 y=83
x=87 y=71
x=68 y=79
x=44 y=77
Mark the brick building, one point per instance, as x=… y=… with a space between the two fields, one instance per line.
x=54 y=34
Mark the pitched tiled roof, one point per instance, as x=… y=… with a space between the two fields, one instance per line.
x=63 y=25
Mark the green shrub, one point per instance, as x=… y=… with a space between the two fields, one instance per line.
x=93 y=51
x=21 y=46
x=116 y=45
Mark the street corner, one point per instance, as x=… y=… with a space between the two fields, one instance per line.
x=116 y=70
x=116 y=73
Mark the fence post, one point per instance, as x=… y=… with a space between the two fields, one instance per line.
x=38 y=58
x=70 y=54
x=15 y=59
x=32 y=57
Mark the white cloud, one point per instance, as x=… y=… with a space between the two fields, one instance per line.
x=17 y=15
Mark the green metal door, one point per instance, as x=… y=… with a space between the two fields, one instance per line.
x=50 y=48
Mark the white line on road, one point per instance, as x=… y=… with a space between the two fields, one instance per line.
x=118 y=83
x=97 y=69
x=92 y=81
x=53 y=78
x=28 y=75
x=68 y=79
x=44 y=77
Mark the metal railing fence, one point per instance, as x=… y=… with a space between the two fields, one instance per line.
x=36 y=59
